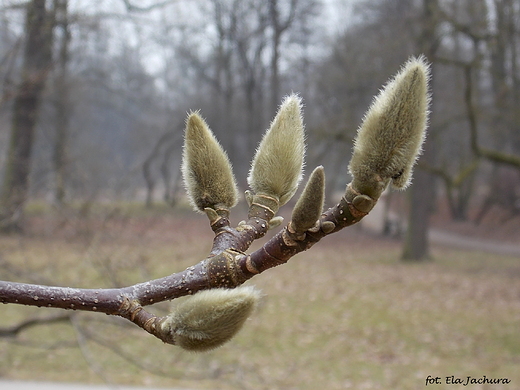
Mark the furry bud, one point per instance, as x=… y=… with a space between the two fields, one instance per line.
x=310 y=204
x=206 y=169
x=210 y=318
x=277 y=166
x=393 y=130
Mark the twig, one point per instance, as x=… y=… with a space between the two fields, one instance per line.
x=85 y=351
x=131 y=7
x=385 y=152
x=490 y=154
x=14 y=330
x=227 y=266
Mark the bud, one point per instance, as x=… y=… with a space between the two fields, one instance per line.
x=206 y=169
x=393 y=130
x=277 y=166
x=310 y=204
x=210 y=318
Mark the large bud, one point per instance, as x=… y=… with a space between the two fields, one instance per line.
x=206 y=169
x=393 y=130
x=277 y=167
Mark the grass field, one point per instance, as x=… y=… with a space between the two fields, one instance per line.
x=345 y=315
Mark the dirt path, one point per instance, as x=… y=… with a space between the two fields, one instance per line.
x=455 y=240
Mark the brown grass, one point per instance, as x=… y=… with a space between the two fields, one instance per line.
x=345 y=315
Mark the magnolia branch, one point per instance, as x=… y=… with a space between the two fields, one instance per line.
x=386 y=148
x=226 y=267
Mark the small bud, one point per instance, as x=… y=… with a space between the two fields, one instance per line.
x=275 y=222
x=310 y=204
x=363 y=203
x=393 y=130
x=210 y=318
x=328 y=226
x=277 y=166
x=206 y=169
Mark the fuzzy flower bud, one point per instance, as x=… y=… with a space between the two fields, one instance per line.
x=393 y=130
x=310 y=204
x=277 y=166
x=210 y=318
x=206 y=169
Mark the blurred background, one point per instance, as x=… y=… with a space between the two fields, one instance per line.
x=93 y=99
x=116 y=79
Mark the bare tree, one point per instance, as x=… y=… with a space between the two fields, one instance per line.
x=422 y=196
x=392 y=30
x=282 y=16
x=36 y=67
x=162 y=152
x=237 y=69
x=61 y=101
x=502 y=48
x=385 y=151
x=489 y=110
x=20 y=327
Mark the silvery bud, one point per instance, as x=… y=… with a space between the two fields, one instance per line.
x=277 y=166
x=310 y=204
x=206 y=169
x=393 y=130
x=210 y=318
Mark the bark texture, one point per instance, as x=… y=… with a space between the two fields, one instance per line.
x=36 y=66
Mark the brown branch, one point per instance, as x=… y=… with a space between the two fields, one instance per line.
x=134 y=8
x=162 y=370
x=226 y=266
x=490 y=154
x=451 y=180
x=379 y=159
x=471 y=115
x=464 y=28
x=14 y=330
x=91 y=361
x=288 y=243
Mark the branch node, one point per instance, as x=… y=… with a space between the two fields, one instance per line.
x=363 y=203
x=250 y=266
x=327 y=227
x=290 y=238
x=223 y=270
x=263 y=206
x=275 y=222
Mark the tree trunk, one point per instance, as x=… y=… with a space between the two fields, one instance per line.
x=37 y=61
x=275 y=55
x=422 y=197
x=62 y=108
x=422 y=192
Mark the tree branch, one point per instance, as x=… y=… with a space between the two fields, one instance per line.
x=227 y=266
x=463 y=28
x=471 y=115
x=385 y=151
x=13 y=331
x=91 y=361
x=490 y=154
x=134 y=8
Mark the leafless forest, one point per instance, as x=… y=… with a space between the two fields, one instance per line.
x=120 y=78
